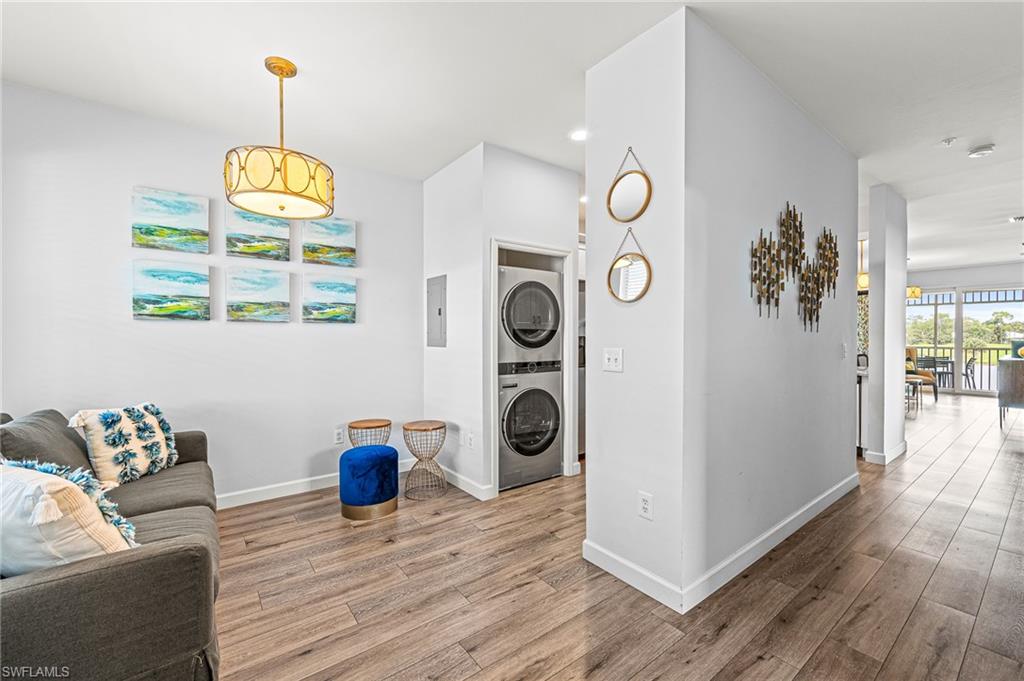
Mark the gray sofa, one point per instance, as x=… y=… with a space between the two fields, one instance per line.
x=144 y=613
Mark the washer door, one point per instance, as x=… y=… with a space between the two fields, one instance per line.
x=530 y=314
x=531 y=422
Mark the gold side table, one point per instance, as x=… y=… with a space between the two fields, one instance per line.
x=424 y=439
x=369 y=432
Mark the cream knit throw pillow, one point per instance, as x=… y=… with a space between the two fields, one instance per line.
x=125 y=444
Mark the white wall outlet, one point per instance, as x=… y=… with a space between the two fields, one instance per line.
x=613 y=359
x=846 y=351
x=469 y=439
x=339 y=435
x=645 y=505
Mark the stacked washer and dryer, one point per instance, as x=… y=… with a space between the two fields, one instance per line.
x=529 y=376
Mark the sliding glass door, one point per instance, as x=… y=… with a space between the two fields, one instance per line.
x=961 y=334
x=931 y=330
x=991 y=319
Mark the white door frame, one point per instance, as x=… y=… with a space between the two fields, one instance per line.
x=570 y=455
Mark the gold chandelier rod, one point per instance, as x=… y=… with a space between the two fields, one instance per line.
x=280 y=111
x=282 y=68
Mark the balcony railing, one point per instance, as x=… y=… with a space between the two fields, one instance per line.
x=980 y=375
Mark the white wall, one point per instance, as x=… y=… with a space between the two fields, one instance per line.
x=1011 y=274
x=634 y=418
x=488 y=193
x=268 y=395
x=452 y=376
x=742 y=427
x=749 y=150
x=887 y=327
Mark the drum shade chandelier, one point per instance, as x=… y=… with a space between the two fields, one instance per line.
x=863 y=280
x=277 y=181
x=862 y=274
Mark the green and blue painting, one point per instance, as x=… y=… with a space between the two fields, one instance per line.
x=171 y=290
x=329 y=242
x=256 y=236
x=257 y=295
x=328 y=298
x=170 y=221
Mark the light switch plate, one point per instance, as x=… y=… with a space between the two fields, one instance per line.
x=613 y=360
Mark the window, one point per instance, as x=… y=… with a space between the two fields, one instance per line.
x=930 y=324
x=990 y=320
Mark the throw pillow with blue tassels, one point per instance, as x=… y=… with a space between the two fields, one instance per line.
x=52 y=515
x=126 y=444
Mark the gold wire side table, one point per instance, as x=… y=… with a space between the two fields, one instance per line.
x=369 y=432
x=424 y=439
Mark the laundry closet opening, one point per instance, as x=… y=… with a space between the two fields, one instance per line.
x=534 y=326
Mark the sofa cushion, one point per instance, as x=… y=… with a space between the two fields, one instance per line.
x=179 y=522
x=187 y=484
x=44 y=435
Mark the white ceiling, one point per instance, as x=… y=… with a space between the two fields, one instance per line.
x=400 y=88
x=890 y=80
x=405 y=88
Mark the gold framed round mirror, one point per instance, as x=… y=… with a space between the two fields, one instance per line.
x=629 y=196
x=629 y=277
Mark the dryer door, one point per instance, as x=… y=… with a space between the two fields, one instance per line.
x=531 y=422
x=530 y=314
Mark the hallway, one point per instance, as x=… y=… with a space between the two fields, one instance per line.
x=916 y=573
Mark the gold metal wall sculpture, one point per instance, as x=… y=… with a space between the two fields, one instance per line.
x=828 y=260
x=773 y=262
x=767 y=279
x=791 y=239
x=812 y=292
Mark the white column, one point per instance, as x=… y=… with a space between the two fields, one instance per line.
x=887 y=300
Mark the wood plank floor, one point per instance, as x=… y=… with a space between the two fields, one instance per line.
x=918 y=574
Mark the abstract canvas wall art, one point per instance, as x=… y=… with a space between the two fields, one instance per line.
x=328 y=298
x=170 y=221
x=256 y=236
x=171 y=290
x=257 y=295
x=329 y=242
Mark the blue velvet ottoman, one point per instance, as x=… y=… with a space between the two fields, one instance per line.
x=369 y=482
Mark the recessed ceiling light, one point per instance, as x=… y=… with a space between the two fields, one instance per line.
x=948 y=142
x=1017 y=218
x=583 y=199
x=981 y=150
x=578 y=135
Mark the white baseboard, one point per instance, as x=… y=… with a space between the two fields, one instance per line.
x=886 y=458
x=681 y=598
x=471 y=487
x=638 y=577
x=288 y=488
x=716 y=577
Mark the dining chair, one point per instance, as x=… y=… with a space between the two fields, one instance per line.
x=969 y=374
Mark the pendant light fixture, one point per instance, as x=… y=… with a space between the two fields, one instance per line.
x=913 y=292
x=862 y=275
x=277 y=181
